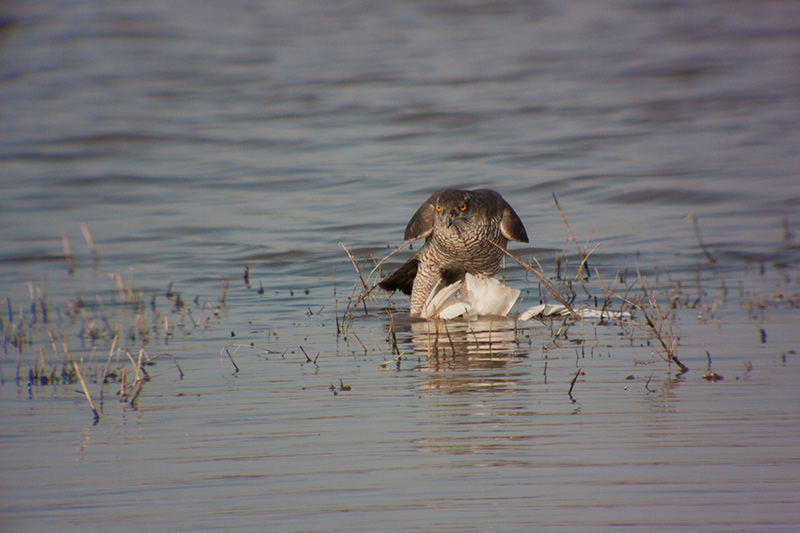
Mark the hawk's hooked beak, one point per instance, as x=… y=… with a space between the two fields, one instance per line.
x=449 y=218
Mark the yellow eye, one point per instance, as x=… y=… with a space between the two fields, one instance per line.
x=463 y=207
x=438 y=208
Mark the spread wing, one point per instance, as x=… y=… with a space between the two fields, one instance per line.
x=511 y=225
x=403 y=278
x=421 y=224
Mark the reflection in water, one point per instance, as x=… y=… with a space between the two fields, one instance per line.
x=466 y=355
x=662 y=396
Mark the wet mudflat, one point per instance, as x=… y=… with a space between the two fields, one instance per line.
x=199 y=143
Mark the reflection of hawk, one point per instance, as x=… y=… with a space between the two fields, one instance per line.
x=459 y=228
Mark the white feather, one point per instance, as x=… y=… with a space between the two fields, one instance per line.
x=476 y=296
x=481 y=296
x=548 y=310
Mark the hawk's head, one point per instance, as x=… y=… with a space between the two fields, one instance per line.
x=453 y=206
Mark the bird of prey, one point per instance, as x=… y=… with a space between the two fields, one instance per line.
x=460 y=228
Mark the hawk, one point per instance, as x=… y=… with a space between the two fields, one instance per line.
x=459 y=228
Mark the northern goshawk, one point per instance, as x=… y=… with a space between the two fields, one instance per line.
x=459 y=228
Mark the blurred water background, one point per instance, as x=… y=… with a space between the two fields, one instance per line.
x=193 y=139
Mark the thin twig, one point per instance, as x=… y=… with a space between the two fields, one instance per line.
x=572 y=384
x=692 y=217
x=361 y=343
x=449 y=338
x=542 y=280
x=308 y=359
x=355 y=265
x=586 y=258
x=86 y=392
x=366 y=291
x=667 y=343
x=89 y=242
x=110 y=355
x=67 y=254
x=393 y=334
x=231 y=358
x=379 y=263
x=387 y=363
x=583 y=255
x=167 y=354
x=223 y=292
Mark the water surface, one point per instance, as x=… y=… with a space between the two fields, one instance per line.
x=194 y=139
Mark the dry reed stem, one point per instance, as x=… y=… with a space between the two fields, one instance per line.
x=89 y=242
x=572 y=383
x=387 y=363
x=167 y=354
x=223 y=292
x=308 y=359
x=355 y=265
x=135 y=366
x=251 y=345
x=374 y=340
x=393 y=334
x=110 y=355
x=67 y=254
x=225 y=349
x=692 y=217
x=586 y=258
x=134 y=402
x=366 y=291
x=582 y=253
x=86 y=393
x=667 y=342
x=449 y=338
x=336 y=304
x=361 y=343
x=472 y=330
x=542 y=280
x=379 y=263
x=437 y=321
x=122 y=380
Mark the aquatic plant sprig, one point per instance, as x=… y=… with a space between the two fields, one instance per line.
x=127 y=327
x=582 y=253
x=656 y=321
x=86 y=393
x=540 y=276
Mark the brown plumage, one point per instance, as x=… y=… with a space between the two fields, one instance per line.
x=459 y=227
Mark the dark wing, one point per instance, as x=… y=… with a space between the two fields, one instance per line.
x=421 y=224
x=403 y=278
x=511 y=225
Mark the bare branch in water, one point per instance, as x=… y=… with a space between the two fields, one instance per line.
x=231 y=358
x=542 y=280
x=581 y=253
x=89 y=242
x=692 y=217
x=655 y=320
x=86 y=392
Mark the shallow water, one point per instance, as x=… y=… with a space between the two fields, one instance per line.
x=193 y=140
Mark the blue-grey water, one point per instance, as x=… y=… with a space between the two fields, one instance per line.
x=196 y=139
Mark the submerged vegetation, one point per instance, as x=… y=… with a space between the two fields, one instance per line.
x=120 y=333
